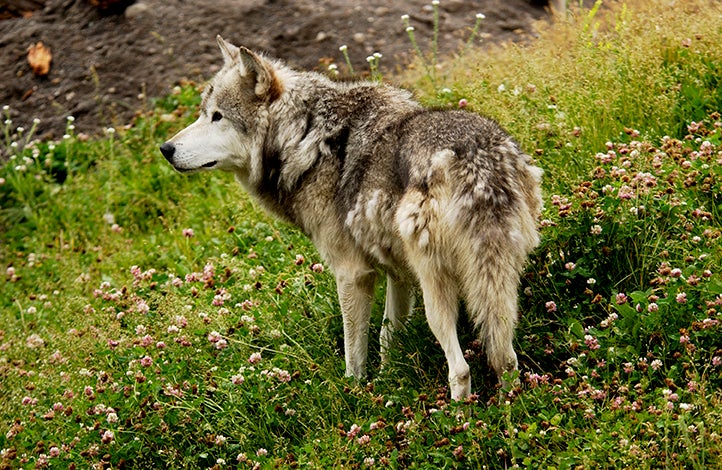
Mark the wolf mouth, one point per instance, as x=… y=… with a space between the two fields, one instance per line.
x=193 y=170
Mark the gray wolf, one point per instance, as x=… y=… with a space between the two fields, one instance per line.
x=440 y=199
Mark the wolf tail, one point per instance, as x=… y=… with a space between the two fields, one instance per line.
x=489 y=273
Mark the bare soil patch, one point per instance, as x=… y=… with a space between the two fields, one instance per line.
x=107 y=64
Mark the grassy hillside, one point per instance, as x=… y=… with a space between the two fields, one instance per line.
x=153 y=320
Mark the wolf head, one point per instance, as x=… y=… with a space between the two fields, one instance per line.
x=233 y=115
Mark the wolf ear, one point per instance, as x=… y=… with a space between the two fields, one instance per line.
x=230 y=52
x=268 y=85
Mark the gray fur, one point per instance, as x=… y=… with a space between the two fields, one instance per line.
x=441 y=199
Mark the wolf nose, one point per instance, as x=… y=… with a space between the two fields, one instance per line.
x=167 y=149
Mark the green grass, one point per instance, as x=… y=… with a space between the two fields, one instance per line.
x=127 y=341
x=586 y=78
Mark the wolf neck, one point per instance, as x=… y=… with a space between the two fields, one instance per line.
x=307 y=139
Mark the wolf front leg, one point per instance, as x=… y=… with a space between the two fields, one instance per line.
x=399 y=302
x=355 y=285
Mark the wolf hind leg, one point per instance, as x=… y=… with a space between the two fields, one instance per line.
x=355 y=286
x=399 y=302
x=441 y=302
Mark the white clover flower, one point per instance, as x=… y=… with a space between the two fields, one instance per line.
x=480 y=16
x=34 y=341
x=343 y=48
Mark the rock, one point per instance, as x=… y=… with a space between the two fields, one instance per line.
x=453 y=6
x=135 y=10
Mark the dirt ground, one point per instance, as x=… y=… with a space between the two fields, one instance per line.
x=106 y=65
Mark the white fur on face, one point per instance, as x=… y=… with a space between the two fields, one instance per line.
x=209 y=144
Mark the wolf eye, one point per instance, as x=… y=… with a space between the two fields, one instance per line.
x=217 y=116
